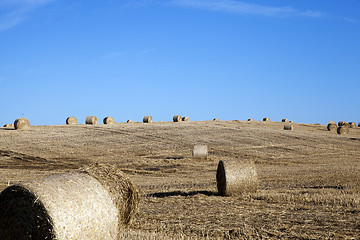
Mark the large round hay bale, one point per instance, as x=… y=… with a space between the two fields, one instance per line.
x=89 y=204
x=332 y=127
x=71 y=121
x=108 y=120
x=288 y=126
x=200 y=151
x=147 y=119
x=236 y=177
x=343 y=130
x=285 y=120
x=21 y=123
x=352 y=125
x=341 y=123
x=185 y=119
x=91 y=120
x=177 y=118
x=129 y=121
x=266 y=119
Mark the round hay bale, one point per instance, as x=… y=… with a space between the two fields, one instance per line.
x=266 y=119
x=347 y=125
x=236 y=177
x=215 y=119
x=200 y=151
x=343 y=130
x=91 y=120
x=90 y=204
x=250 y=120
x=332 y=122
x=341 y=123
x=8 y=126
x=21 y=123
x=71 y=121
x=177 y=118
x=285 y=120
x=185 y=119
x=288 y=126
x=147 y=119
x=108 y=120
x=129 y=121
x=352 y=125
x=359 y=124
x=332 y=127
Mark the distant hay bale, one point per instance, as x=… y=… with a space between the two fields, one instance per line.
x=288 y=126
x=285 y=120
x=359 y=124
x=147 y=119
x=250 y=120
x=347 y=125
x=21 y=123
x=129 y=121
x=352 y=125
x=200 y=151
x=91 y=120
x=177 y=118
x=332 y=122
x=185 y=119
x=8 y=126
x=215 y=119
x=341 y=123
x=108 y=120
x=236 y=177
x=332 y=127
x=266 y=119
x=343 y=130
x=71 y=121
x=93 y=203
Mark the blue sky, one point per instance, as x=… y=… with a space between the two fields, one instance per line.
x=227 y=59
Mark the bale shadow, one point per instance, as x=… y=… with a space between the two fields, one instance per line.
x=182 y=193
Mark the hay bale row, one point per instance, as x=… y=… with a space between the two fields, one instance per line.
x=21 y=123
x=352 y=125
x=93 y=203
x=341 y=123
x=288 y=126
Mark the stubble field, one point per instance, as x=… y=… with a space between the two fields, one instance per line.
x=309 y=184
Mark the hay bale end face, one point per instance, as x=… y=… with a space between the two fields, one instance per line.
x=147 y=119
x=343 y=130
x=332 y=127
x=236 y=177
x=352 y=125
x=185 y=119
x=71 y=121
x=77 y=205
x=108 y=120
x=285 y=120
x=288 y=126
x=129 y=121
x=21 y=123
x=200 y=151
x=177 y=118
x=92 y=120
x=266 y=119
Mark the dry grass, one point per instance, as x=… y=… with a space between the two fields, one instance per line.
x=309 y=184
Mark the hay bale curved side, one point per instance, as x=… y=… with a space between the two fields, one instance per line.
x=266 y=119
x=21 y=123
x=288 y=126
x=108 y=120
x=284 y=120
x=177 y=118
x=71 y=121
x=332 y=127
x=352 y=125
x=236 y=177
x=343 y=130
x=147 y=119
x=63 y=206
x=91 y=120
x=185 y=119
x=200 y=151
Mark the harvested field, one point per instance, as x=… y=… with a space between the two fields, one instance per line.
x=309 y=185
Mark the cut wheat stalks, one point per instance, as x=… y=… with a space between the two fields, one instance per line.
x=332 y=127
x=91 y=120
x=177 y=118
x=343 y=130
x=200 y=151
x=147 y=119
x=21 y=123
x=108 y=120
x=288 y=126
x=236 y=177
x=71 y=121
x=93 y=203
x=285 y=120
x=185 y=119
x=266 y=119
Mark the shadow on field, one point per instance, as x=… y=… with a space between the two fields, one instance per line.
x=181 y=193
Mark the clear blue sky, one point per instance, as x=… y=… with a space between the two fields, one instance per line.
x=229 y=59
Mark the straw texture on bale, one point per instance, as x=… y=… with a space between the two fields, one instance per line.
x=108 y=120
x=332 y=127
x=332 y=122
x=236 y=177
x=352 y=125
x=147 y=119
x=89 y=204
x=71 y=121
x=266 y=119
x=250 y=119
x=177 y=118
x=185 y=119
x=8 y=126
x=343 y=130
x=129 y=121
x=21 y=123
x=91 y=120
x=200 y=151
x=341 y=123
x=285 y=120
x=288 y=126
